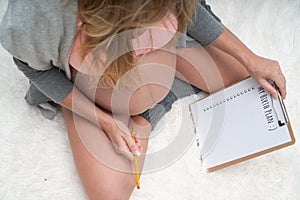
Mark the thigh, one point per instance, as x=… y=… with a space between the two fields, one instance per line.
x=103 y=173
x=231 y=69
x=209 y=68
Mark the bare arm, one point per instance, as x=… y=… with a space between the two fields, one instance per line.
x=208 y=30
x=119 y=136
x=55 y=86
x=262 y=69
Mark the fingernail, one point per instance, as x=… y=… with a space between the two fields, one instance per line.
x=137 y=152
x=131 y=157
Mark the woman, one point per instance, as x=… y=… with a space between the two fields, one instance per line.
x=45 y=38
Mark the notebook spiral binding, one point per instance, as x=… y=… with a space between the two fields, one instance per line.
x=229 y=98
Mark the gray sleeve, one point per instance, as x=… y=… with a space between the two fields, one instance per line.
x=207 y=7
x=39 y=33
x=205 y=28
x=53 y=83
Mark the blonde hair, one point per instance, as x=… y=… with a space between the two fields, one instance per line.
x=106 y=18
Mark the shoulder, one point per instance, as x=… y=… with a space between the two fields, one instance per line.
x=22 y=14
x=36 y=27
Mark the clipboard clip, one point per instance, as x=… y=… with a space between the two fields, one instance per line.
x=282 y=120
x=286 y=118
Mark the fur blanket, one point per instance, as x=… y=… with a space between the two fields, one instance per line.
x=36 y=160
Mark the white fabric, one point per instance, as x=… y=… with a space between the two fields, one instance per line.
x=36 y=160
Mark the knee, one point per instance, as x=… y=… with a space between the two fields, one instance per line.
x=112 y=191
x=140 y=124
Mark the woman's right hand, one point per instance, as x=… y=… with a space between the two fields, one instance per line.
x=121 y=138
x=117 y=132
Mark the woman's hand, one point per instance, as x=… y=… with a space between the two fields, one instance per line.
x=120 y=136
x=121 y=139
x=262 y=70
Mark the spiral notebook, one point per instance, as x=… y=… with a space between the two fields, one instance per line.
x=238 y=123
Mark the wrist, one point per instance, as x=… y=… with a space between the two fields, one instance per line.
x=247 y=59
x=104 y=120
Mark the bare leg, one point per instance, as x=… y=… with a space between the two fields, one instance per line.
x=209 y=68
x=232 y=70
x=100 y=168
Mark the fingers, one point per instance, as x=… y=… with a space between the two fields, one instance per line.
x=282 y=88
x=122 y=148
x=280 y=81
x=138 y=142
x=263 y=70
x=127 y=146
x=132 y=145
x=268 y=87
x=281 y=84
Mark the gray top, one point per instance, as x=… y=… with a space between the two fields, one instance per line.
x=39 y=34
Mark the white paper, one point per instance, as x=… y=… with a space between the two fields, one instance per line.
x=237 y=122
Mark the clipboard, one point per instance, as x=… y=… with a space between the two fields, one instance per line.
x=239 y=123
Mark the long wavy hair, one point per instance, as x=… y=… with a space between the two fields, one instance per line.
x=103 y=19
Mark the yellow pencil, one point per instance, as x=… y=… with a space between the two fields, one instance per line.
x=136 y=164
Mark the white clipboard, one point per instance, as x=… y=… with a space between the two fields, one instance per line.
x=238 y=123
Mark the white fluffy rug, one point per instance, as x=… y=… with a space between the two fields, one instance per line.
x=36 y=160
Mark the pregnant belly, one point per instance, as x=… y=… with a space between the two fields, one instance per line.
x=151 y=84
x=128 y=101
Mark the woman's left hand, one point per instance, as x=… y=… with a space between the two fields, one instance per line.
x=262 y=70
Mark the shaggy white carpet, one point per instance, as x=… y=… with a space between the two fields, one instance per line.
x=36 y=160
